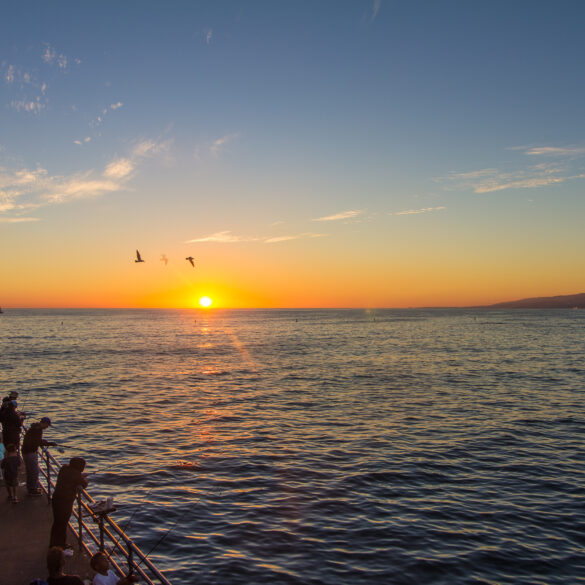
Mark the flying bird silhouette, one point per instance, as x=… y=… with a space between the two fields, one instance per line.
x=191 y=259
x=138 y=257
x=164 y=259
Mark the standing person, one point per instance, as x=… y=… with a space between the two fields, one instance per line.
x=10 y=465
x=33 y=439
x=12 y=395
x=69 y=480
x=55 y=564
x=11 y=423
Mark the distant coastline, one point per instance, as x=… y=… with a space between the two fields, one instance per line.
x=559 y=302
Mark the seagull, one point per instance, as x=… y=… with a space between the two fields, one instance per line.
x=138 y=257
x=164 y=259
x=191 y=259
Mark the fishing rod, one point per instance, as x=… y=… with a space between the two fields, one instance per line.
x=131 y=577
x=128 y=524
x=156 y=544
x=24 y=400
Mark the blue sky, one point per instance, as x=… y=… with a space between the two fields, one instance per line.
x=391 y=131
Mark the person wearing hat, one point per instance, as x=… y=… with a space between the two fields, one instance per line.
x=33 y=439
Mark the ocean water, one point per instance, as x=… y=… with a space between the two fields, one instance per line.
x=328 y=446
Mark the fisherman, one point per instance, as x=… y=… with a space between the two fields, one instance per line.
x=12 y=396
x=69 y=480
x=33 y=439
x=11 y=421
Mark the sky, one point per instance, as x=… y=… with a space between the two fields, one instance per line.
x=330 y=153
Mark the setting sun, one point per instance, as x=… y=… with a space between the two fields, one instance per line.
x=205 y=301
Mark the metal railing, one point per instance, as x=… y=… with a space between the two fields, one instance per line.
x=96 y=531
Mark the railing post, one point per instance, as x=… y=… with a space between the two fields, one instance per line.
x=130 y=557
x=79 y=519
x=46 y=454
x=101 y=525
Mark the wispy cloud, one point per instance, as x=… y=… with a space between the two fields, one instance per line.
x=219 y=144
x=81 y=186
x=18 y=219
x=51 y=57
x=555 y=151
x=567 y=165
x=224 y=237
x=100 y=118
x=375 y=9
x=416 y=211
x=491 y=180
x=208 y=35
x=27 y=90
x=9 y=74
x=24 y=189
x=118 y=169
x=350 y=214
x=277 y=239
x=32 y=106
x=148 y=148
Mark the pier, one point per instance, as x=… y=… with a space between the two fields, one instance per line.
x=25 y=529
x=24 y=541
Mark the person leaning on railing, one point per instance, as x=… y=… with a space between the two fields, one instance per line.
x=69 y=480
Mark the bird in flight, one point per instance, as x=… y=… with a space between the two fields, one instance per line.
x=164 y=259
x=138 y=257
x=192 y=260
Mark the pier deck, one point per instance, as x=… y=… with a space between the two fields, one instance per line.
x=24 y=541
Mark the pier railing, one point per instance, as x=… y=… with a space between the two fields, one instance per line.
x=96 y=531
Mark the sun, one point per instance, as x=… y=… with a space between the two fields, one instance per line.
x=205 y=302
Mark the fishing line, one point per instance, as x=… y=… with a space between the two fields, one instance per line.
x=157 y=543
x=128 y=524
x=111 y=465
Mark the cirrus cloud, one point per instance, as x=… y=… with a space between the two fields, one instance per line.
x=558 y=165
x=417 y=211
x=223 y=237
x=22 y=189
x=349 y=214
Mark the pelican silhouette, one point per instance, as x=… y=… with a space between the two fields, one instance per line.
x=164 y=259
x=191 y=259
x=138 y=257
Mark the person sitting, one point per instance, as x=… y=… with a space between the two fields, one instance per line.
x=100 y=563
x=55 y=564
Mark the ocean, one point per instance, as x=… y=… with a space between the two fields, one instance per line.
x=332 y=447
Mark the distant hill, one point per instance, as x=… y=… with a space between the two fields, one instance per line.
x=560 y=302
